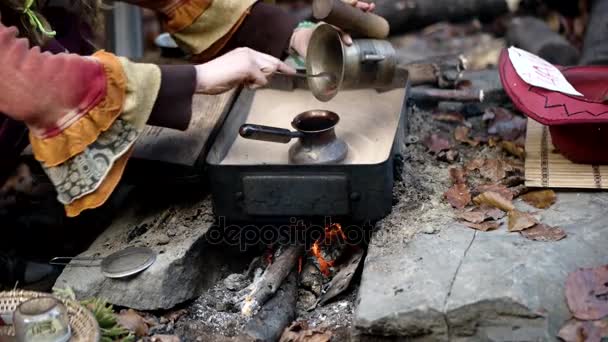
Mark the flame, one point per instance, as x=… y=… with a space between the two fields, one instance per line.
x=332 y=232
x=324 y=265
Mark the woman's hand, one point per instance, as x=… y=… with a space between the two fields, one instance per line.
x=301 y=36
x=239 y=66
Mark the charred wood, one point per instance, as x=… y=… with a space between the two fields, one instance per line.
x=407 y=15
x=595 y=46
x=268 y=324
x=535 y=36
x=262 y=289
x=419 y=94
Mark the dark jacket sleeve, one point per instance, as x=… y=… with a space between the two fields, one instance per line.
x=266 y=29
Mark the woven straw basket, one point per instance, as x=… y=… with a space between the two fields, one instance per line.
x=83 y=324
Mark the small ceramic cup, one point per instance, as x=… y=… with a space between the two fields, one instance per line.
x=43 y=319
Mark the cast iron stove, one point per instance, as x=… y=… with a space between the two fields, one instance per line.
x=255 y=181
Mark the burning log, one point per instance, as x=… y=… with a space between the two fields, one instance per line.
x=407 y=15
x=268 y=324
x=262 y=289
x=437 y=95
x=595 y=46
x=444 y=72
x=535 y=36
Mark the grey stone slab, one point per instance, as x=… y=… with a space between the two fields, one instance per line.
x=404 y=286
x=486 y=286
x=186 y=265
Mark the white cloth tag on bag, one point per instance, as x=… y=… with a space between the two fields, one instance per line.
x=540 y=73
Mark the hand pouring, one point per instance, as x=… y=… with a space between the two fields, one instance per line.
x=317 y=144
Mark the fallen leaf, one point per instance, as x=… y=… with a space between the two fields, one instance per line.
x=511 y=148
x=458 y=196
x=540 y=199
x=497 y=188
x=518 y=190
x=513 y=181
x=474 y=164
x=493 y=213
x=494 y=200
x=518 y=221
x=449 y=156
x=494 y=169
x=165 y=338
x=449 y=117
x=435 y=143
x=461 y=134
x=458 y=175
x=300 y=332
x=544 y=233
x=472 y=216
x=506 y=125
x=174 y=316
x=586 y=293
x=484 y=227
x=132 y=321
x=584 y=331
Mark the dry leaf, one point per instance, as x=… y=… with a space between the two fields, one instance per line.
x=494 y=200
x=494 y=169
x=518 y=221
x=299 y=332
x=164 y=338
x=497 y=188
x=472 y=216
x=484 y=227
x=132 y=321
x=458 y=196
x=512 y=148
x=493 y=213
x=474 y=164
x=513 y=181
x=518 y=190
x=449 y=117
x=458 y=175
x=449 y=156
x=540 y=199
x=587 y=292
x=174 y=316
x=584 y=331
x=544 y=233
x=506 y=125
x=435 y=143
x=461 y=133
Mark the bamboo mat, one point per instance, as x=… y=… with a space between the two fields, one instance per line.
x=545 y=167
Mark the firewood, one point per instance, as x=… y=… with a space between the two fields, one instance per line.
x=262 y=289
x=410 y=15
x=444 y=72
x=595 y=46
x=268 y=324
x=436 y=95
x=535 y=36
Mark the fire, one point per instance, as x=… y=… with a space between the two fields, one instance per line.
x=324 y=265
x=331 y=233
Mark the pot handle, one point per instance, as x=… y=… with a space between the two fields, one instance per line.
x=267 y=133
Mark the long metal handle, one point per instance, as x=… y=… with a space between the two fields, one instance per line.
x=66 y=260
x=267 y=133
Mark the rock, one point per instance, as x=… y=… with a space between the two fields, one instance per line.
x=235 y=282
x=480 y=286
x=185 y=267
